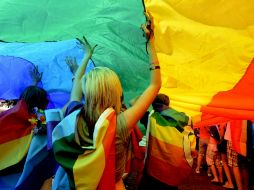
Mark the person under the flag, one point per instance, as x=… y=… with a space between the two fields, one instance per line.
x=102 y=90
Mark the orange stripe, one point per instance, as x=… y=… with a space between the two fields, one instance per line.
x=19 y=131
x=168 y=153
x=108 y=176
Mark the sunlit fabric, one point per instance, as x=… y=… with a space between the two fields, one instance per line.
x=206 y=51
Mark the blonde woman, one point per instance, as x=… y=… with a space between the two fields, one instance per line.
x=102 y=89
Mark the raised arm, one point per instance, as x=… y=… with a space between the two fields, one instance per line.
x=76 y=92
x=134 y=113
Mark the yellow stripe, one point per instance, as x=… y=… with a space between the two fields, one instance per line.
x=89 y=167
x=171 y=136
x=12 y=152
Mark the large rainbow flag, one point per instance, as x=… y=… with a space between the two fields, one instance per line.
x=205 y=48
x=206 y=51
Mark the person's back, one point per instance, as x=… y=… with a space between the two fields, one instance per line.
x=166 y=133
x=16 y=126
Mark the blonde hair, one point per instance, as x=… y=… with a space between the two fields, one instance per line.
x=102 y=89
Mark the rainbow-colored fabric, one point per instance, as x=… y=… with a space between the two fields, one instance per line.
x=90 y=167
x=16 y=134
x=206 y=53
x=169 y=151
x=206 y=56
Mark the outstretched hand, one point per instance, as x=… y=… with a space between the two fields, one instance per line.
x=36 y=75
x=72 y=63
x=84 y=44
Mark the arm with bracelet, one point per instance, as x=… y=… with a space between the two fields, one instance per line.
x=134 y=113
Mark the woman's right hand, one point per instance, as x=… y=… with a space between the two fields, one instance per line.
x=148 y=27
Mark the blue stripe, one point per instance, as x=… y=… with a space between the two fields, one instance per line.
x=39 y=166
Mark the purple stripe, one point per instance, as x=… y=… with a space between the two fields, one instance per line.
x=50 y=127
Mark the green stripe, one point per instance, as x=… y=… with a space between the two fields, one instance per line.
x=68 y=157
x=160 y=120
x=112 y=24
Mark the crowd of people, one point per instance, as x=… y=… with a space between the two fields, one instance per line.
x=225 y=165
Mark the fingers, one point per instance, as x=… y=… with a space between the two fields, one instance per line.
x=94 y=48
x=147 y=31
x=75 y=60
x=85 y=45
x=85 y=40
x=68 y=59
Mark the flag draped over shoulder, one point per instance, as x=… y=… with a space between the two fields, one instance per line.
x=87 y=167
x=169 y=149
x=16 y=135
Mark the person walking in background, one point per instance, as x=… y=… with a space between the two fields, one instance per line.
x=204 y=137
x=222 y=149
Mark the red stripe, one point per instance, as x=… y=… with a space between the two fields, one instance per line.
x=168 y=173
x=166 y=162
x=136 y=153
x=14 y=123
x=164 y=151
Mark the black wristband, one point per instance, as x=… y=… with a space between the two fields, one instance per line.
x=154 y=67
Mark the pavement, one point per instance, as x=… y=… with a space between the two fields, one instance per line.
x=200 y=182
